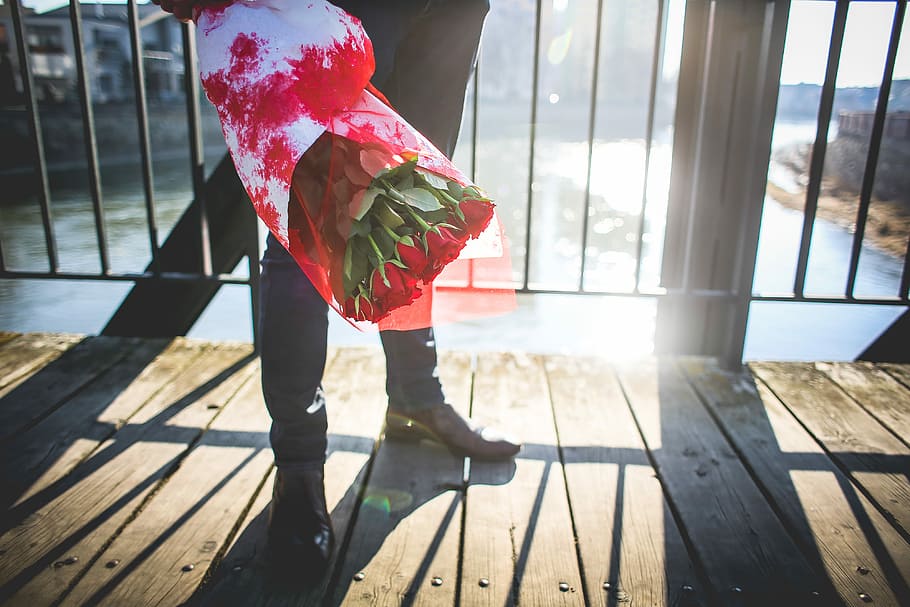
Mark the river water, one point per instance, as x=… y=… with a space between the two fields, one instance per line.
x=614 y=327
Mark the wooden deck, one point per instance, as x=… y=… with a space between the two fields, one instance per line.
x=138 y=472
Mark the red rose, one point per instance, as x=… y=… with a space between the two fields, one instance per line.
x=401 y=290
x=350 y=309
x=413 y=257
x=442 y=248
x=477 y=215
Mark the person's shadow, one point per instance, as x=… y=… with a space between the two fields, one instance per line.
x=402 y=478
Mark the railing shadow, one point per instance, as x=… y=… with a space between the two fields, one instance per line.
x=810 y=575
x=402 y=479
x=380 y=498
x=36 y=507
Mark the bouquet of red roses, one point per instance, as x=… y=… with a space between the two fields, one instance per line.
x=381 y=226
x=371 y=211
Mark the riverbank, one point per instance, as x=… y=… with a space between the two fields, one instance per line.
x=888 y=221
x=887 y=226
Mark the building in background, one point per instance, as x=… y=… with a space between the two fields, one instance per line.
x=106 y=40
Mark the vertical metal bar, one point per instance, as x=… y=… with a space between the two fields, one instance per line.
x=88 y=134
x=821 y=140
x=474 y=111
x=474 y=108
x=34 y=125
x=875 y=142
x=904 y=292
x=770 y=60
x=699 y=135
x=649 y=136
x=253 y=264
x=535 y=79
x=145 y=150
x=592 y=118
x=197 y=156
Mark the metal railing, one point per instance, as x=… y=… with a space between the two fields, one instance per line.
x=813 y=188
x=732 y=293
x=154 y=272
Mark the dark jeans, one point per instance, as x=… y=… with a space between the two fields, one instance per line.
x=425 y=51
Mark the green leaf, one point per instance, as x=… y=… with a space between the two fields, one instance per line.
x=360 y=228
x=365 y=202
x=455 y=190
x=359 y=269
x=385 y=243
x=432 y=179
x=406 y=241
x=437 y=216
x=406 y=183
x=473 y=192
x=348 y=250
x=386 y=215
x=421 y=199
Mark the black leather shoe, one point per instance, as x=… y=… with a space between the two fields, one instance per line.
x=300 y=534
x=444 y=424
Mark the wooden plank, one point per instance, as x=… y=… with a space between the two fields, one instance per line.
x=8 y=336
x=748 y=556
x=518 y=531
x=79 y=514
x=409 y=524
x=900 y=372
x=873 y=457
x=626 y=533
x=55 y=382
x=24 y=355
x=163 y=554
x=41 y=456
x=836 y=525
x=355 y=400
x=878 y=392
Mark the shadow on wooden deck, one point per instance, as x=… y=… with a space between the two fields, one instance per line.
x=138 y=472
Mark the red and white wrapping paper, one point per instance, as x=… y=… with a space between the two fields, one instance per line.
x=280 y=73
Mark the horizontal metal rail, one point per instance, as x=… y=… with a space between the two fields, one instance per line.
x=227 y=279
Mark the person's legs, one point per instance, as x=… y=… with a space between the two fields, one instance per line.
x=426 y=84
x=412 y=378
x=293 y=327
